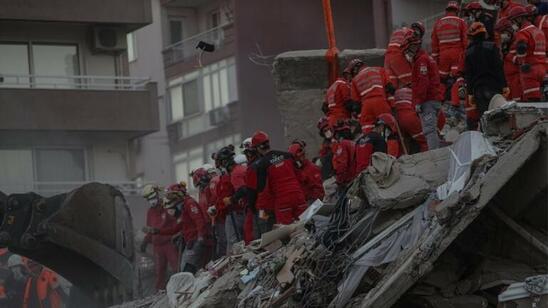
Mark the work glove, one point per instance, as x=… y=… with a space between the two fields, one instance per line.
x=227 y=201
x=263 y=215
x=212 y=211
x=143 y=247
x=418 y=108
x=525 y=68
x=506 y=93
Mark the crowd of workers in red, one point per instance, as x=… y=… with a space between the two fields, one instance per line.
x=478 y=51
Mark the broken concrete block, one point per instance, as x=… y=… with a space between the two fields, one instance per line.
x=420 y=174
x=178 y=283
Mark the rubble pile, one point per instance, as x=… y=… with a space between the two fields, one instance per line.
x=426 y=230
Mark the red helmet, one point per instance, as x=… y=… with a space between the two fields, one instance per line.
x=473 y=6
x=198 y=175
x=323 y=123
x=388 y=120
x=259 y=138
x=297 y=150
x=174 y=192
x=517 y=11
x=418 y=25
x=503 y=24
x=452 y=5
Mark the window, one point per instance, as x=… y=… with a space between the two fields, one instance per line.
x=191 y=105
x=175 y=30
x=176 y=102
x=60 y=165
x=16 y=170
x=131 y=47
x=47 y=60
x=214 y=19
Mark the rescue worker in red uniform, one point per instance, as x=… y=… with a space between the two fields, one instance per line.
x=386 y=124
x=530 y=54
x=511 y=71
x=216 y=219
x=263 y=212
x=370 y=86
x=309 y=175
x=165 y=252
x=396 y=65
x=409 y=121
x=541 y=22
x=190 y=224
x=277 y=169
x=339 y=104
x=231 y=191
x=343 y=148
x=366 y=145
x=449 y=43
x=427 y=94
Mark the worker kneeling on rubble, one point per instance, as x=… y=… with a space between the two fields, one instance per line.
x=191 y=224
x=310 y=175
x=276 y=168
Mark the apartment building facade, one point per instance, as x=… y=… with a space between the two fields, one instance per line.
x=68 y=108
x=208 y=99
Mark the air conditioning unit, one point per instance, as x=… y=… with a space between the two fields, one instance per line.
x=108 y=39
x=219 y=116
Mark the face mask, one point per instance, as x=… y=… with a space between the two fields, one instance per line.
x=515 y=27
x=505 y=37
x=171 y=212
x=471 y=19
x=152 y=202
x=328 y=134
x=387 y=132
x=17 y=273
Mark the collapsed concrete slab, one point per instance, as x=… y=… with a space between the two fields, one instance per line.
x=420 y=174
x=301 y=79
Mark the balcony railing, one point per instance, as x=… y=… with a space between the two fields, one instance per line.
x=73 y=82
x=47 y=189
x=186 y=48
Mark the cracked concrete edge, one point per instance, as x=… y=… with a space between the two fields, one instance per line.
x=414 y=264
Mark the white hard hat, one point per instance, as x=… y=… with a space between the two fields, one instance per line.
x=246 y=143
x=15 y=260
x=149 y=190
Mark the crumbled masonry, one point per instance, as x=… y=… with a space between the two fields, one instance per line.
x=453 y=228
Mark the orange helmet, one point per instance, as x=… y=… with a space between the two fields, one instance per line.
x=476 y=28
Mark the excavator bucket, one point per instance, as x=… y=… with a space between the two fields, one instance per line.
x=85 y=235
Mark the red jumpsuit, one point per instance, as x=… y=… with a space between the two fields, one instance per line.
x=368 y=87
x=337 y=96
x=164 y=251
x=310 y=177
x=365 y=147
x=343 y=161
x=407 y=117
x=426 y=80
x=396 y=65
x=191 y=224
x=449 y=42
x=542 y=23
x=278 y=170
x=531 y=38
